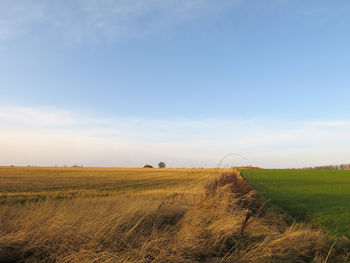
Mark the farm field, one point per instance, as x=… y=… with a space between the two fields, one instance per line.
x=26 y=184
x=147 y=215
x=321 y=197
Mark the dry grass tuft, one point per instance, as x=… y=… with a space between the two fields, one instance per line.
x=224 y=225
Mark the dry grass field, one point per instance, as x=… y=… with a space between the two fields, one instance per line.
x=146 y=215
x=28 y=184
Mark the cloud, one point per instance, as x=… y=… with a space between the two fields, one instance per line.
x=41 y=117
x=314 y=11
x=46 y=136
x=16 y=17
x=79 y=20
x=332 y=124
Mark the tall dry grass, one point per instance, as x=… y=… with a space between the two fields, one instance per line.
x=225 y=223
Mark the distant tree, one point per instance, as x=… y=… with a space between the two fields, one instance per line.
x=148 y=166
x=161 y=165
x=329 y=167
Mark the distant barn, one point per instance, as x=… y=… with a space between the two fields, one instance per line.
x=148 y=166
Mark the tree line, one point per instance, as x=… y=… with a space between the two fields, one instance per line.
x=329 y=167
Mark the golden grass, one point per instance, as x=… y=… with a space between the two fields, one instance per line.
x=220 y=221
x=23 y=184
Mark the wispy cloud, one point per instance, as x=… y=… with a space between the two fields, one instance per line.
x=314 y=11
x=17 y=17
x=332 y=124
x=79 y=20
x=45 y=136
x=41 y=117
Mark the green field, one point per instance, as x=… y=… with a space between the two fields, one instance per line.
x=321 y=197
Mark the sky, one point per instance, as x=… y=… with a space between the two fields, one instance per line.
x=129 y=83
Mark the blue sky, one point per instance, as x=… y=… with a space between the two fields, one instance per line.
x=123 y=83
